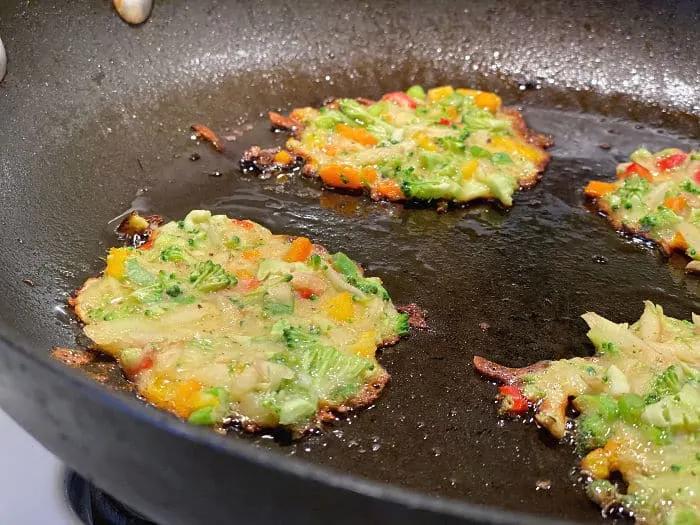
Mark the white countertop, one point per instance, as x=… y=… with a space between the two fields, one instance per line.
x=31 y=481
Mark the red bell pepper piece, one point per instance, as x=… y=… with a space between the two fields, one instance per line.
x=305 y=293
x=672 y=161
x=637 y=169
x=696 y=177
x=514 y=400
x=445 y=122
x=400 y=99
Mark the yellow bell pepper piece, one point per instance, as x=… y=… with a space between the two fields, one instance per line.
x=489 y=101
x=596 y=464
x=159 y=392
x=340 y=307
x=424 y=141
x=365 y=346
x=282 y=157
x=510 y=146
x=438 y=93
x=116 y=262
x=469 y=168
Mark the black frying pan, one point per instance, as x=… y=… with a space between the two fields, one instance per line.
x=93 y=120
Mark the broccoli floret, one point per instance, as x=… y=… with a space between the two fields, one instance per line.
x=172 y=254
x=594 y=425
x=322 y=373
x=689 y=186
x=591 y=432
x=633 y=186
x=210 y=277
x=371 y=285
x=452 y=144
x=666 y=383
x=440 y=188
x=402 y=326
x=348 y=267
x=661 y=218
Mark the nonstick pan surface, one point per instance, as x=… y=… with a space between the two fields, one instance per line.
x=94 y=119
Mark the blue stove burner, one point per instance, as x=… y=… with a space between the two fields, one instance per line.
x=95 y=507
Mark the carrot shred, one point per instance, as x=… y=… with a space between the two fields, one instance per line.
x=359 y=135
x=207 y=134
x=341 y=176
x=390 y=189
x=597 y=188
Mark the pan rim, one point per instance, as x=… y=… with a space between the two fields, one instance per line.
x=383 y=492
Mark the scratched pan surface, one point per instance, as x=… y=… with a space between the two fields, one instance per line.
x=93 y=121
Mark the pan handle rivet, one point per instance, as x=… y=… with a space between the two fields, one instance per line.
x=133 y=11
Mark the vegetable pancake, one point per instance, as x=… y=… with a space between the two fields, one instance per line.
x=639 y=404
x=218 y=320
x=443 y=145
x=656 y=196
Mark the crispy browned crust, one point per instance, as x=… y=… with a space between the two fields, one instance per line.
x=73 y=357
x=505 y=374
x=256 y=158
x=537 y=140
x=138 y=235
x=328 y=413
x=283 y=123
x=416 y=315
x=605 y=210
x=369 y=393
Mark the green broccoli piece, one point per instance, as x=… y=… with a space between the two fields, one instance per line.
x=666 y=383
x=452 y=144
x=210 y=277
x=370 y=285
x=594 y=426
x=172 y=254
x=359 y=113
x=348 y=267
x=662 y=218
x=690 y=187
x=592 y=431
x=402 y=325
x=322 y=373
x=438 y=188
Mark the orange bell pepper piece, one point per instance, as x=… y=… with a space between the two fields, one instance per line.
x=677 y=204
x=300 y=250
x=597 y=188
